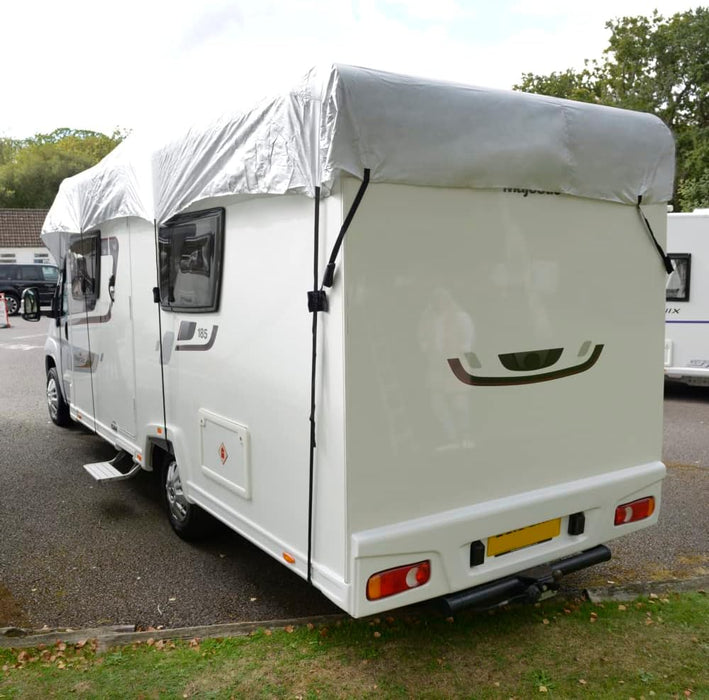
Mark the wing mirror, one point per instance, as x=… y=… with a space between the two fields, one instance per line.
x=30 y=304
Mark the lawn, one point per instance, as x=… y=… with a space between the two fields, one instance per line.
x=652 y=647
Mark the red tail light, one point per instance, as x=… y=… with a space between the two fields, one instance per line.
x=635 y=510
x=402 y=578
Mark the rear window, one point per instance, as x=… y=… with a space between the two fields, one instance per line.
x=677 y=287
x=190 y=248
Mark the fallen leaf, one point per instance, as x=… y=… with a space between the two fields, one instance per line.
x=268 y=633
x=61 y=646
x=310 y=626
x=653 y=596
x=289 y=629
x=622 y=608
x=450 y=620
x=81 y=643
x=172 y=600
x=545 y=621
x=582 y=681
x=567 y=611
x=543 y=689
x=377 y=635
x=253 y=599
x=23 y=656
x=160 y=644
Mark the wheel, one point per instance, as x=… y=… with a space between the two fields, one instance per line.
x=58 y=408
x=13 y=304
x=188 y=520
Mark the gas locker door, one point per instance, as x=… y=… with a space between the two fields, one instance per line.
x=83 y=278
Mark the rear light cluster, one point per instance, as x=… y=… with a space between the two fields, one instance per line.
x=402 y=578
x=635 y=510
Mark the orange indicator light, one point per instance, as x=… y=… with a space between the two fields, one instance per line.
x=289 y=558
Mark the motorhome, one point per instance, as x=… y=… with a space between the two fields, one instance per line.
x=404 y=335
x=687 y=299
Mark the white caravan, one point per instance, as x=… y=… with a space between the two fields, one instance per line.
x=461 y=398
x=687 y=299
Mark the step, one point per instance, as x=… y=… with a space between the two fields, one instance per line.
x=114 y=470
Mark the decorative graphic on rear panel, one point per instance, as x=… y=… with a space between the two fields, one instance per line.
x=525 y=361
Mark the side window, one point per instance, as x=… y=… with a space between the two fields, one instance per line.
x=190 y=249
x=83 y=262
x=50 y=274
x=677 y=288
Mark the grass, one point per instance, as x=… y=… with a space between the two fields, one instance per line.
x=656 y=647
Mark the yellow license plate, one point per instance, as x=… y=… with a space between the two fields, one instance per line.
x=534 y=534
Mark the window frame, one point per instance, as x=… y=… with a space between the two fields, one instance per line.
x=89 y=300
x=688 y=258
x=180 y=220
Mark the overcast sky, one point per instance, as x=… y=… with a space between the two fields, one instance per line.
x=84 y=64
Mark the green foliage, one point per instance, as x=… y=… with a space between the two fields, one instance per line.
x=657 y=65
x=31 y=170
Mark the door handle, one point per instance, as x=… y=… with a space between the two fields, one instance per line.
x=66 y=330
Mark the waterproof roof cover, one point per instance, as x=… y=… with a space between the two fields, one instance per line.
x=405 y=130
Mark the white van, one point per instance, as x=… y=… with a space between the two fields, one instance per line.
x=687 y=299
x=379 y=326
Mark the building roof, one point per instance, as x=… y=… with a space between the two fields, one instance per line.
x=20 y=228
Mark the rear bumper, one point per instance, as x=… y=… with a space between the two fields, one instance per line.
x=445 y=539
x=528 y=585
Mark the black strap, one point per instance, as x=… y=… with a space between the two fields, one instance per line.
x=156 y=300
x=316 y=245
x=663 y=256
x=329 y=275
x=317 y=301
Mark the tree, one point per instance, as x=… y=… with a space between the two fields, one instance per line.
x=656 y=65
x=31 y=170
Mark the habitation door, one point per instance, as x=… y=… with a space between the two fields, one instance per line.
x=83 y=279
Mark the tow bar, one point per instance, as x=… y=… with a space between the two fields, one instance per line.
x=526 y=586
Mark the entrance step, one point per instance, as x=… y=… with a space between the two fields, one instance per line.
x=120 y=468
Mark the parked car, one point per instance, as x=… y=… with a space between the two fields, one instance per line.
x=15 y=278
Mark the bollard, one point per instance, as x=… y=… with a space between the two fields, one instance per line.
x=4 y=316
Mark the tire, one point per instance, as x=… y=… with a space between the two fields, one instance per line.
x=13 y=304
x=187 y=519
x=58 y=408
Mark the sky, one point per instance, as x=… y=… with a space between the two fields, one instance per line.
x=138 y=64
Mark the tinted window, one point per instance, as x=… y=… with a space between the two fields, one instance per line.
x=83 y=263
x=31 y=272
x=51 y=274
x=190 y=248
x=677 y=288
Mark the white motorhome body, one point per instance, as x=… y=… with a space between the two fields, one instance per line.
x=470 y=440
x=687 y=299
